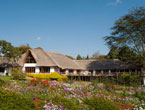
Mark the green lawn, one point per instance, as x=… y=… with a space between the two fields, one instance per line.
x=5 y=77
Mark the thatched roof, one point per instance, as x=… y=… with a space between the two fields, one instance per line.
x=5 y=62
x=45 y=58
x=51 y=59
x=63 y=61
x=102 y=64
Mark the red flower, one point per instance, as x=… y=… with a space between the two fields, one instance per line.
x=33 y=80
x=45 y=83
x=51 y=88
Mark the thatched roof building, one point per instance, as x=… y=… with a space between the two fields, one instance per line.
x=40 y=60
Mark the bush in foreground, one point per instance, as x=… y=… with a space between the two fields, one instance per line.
x=2 y=82
x=11 y=101
x=17 y=74
x=99 y=103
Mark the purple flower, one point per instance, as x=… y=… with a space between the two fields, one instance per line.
x=62 y=107
x=66 y=91
x=34 y=97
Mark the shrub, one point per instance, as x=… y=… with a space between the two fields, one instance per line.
x=131 y=79
x=126 y=78
x=55 y=76
x=11 y=101
x=17 y=74
x=40 y=76
x=140 y=95
x=52 y=76
x=99 y=104
x=1 y=82
x=64 y=78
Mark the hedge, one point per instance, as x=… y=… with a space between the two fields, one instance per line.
x=51 y=76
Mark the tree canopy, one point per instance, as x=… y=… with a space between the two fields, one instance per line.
x=129 y=31
x=24 y=48
x=9 y=51
x=122 y=53
x=79 y=57
x=113 y=53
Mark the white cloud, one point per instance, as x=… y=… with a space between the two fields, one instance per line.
x=38 y=38
x=115 y=3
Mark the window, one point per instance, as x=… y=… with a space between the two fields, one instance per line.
x=30 y=69
x=44 y=69
x=30 y=59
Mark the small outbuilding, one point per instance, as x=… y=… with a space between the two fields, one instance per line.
x=6 y=65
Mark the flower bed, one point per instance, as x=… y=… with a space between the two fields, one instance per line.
x=50 y=95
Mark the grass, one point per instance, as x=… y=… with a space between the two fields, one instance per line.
x=5 y=78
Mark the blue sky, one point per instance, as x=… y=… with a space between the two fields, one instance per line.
x=67 y=26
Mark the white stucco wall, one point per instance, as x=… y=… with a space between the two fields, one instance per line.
x=143 y=80
x=52 y=69
x=94 y=72
x=37 y=70
x=109 y=72
x=75 y=72
x=66 y=72
x=30 y=65
x=86 y=72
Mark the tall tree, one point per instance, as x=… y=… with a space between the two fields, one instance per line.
x=87 y=58
x=113 y=54
x=5 y=48
x=125 y=54
x=24 y=48
x=79 y=57
x=9 y=51
x=129 y=30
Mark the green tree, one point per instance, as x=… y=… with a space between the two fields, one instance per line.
x=87 y=58
x=24 y=48
x=113 y=54
x=5 y=48
x=125 y=54
x=122 y=53
x=79 y=57
x=9 y=51
x=129 y=30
